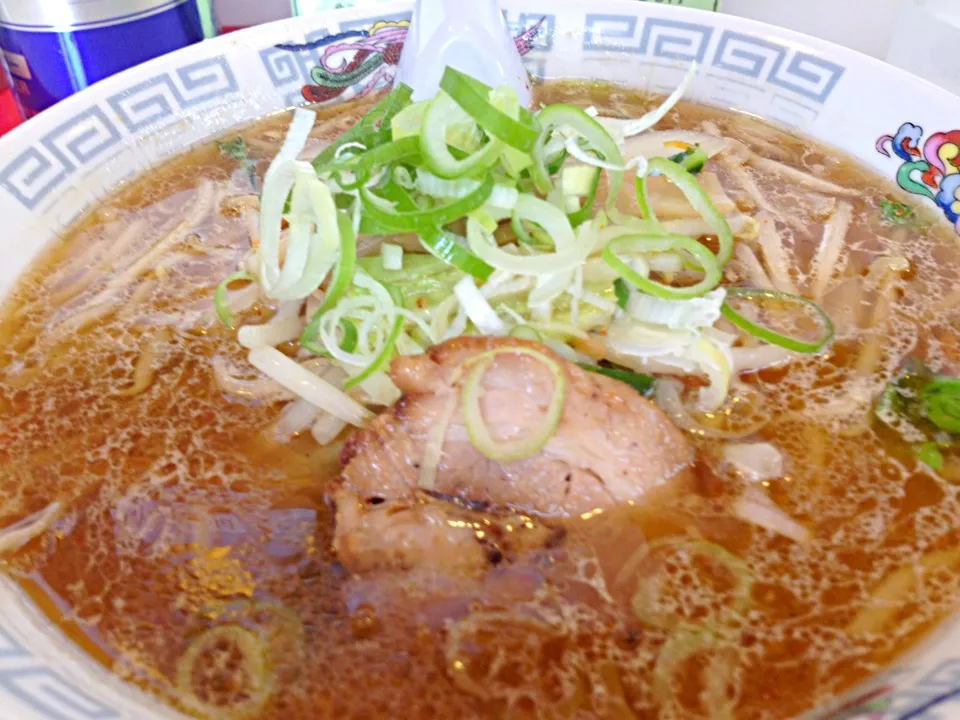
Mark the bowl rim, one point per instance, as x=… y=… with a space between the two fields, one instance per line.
x=30 y=131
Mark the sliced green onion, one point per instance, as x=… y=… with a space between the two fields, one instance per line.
x=663 y=243
x=438 y=187
x=622 y=291
x=438 y=242
x=373 y=128
x=392 y=256
x=577 y=179
x=535 y=237
x=475 y=102
x=554 y=165
x=478 y=309
x=348 y=342
x=479 y=434
x=525 y=332
x=443 y=245
x=407 y=148
x=417 y=220
x=688 y=185
x=643 y=384
x=598 y=139
x=683 y=644
x=580 y=216
x=810 y=309
x=692 y=159
x=342 y=278
x=566 y=258
x=645 y=600
x=221 y=301
x=216 y=658
x=386 y=352
x=433 y=143
x=643 y=201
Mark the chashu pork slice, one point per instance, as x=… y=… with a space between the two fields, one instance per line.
x=611 y=446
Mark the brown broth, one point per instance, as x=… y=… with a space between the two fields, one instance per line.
x=183 y=512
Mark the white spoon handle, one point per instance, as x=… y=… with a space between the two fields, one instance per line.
x=469 y=35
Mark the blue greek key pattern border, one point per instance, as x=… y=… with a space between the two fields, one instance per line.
x=47 y=692
x=762 y=62
x=91 y=135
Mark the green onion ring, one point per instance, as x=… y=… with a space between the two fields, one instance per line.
x=477 y=431
x=433 y=144
x=405 y=148
x=774 y=338
x=418 y=220
x=643 y=201
x=580 y=216
x=555 y=116
x=664 y=243
x=525 y=332
x=221 y=302
x=688 y=185
x=476 y=104
x=437 y=241
x=348 y=343
x=255 y=663
x=366 y=131
x=338 y=286
x=386 y=352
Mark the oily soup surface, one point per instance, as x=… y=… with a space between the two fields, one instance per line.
x=183 y=513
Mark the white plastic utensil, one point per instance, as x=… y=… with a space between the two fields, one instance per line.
x=468 y=35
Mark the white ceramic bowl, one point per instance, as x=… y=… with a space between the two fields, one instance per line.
x=58 y=164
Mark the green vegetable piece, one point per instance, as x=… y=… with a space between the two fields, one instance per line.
x=622 y=291
x=643 y=384
x=896 y=213
x=941 y=400
x=650 y=242
x=929 y=454
x=473 y=97
x=929 y=404
x=237 y=149
x=692 y=159
x=580 y=216
x=767 y=334
x=373 y=128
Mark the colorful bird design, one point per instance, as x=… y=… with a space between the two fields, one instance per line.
x=367 y=56
x=930 y=168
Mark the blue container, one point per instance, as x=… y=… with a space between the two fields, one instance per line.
x=56 y=48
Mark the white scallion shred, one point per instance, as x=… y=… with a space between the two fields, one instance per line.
x=621 y=130
x=690 y=314
x=392 y=256
x=304 y=384
x=756 y=462
x=475 y=305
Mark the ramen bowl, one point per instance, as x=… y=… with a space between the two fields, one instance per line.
x=60 y=163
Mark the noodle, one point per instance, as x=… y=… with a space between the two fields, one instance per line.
x=895 y=591
x=828 y=254
x=775 y=254
x=133 y=232
x=888 y=285
x=751 y=266
x=146 y=366
x=799 y=177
